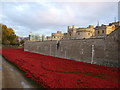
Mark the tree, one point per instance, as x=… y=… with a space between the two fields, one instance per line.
x=8 y=36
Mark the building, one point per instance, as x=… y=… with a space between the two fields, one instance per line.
x=71 y=32
x=83 y=33
x=90 y=31
x=117 y=24
x=65 y=36
x=36 y=37
x=103 y=30
x=79 y=33
x=48 y=38
x=55 y=36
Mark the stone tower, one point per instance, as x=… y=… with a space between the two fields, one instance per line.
x=72 y=32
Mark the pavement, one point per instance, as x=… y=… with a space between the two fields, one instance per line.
x=0 y=72
x=11 y=77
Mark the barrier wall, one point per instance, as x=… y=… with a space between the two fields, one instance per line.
x=98 y=51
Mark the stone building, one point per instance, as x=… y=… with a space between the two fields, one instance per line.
x=71 y=32
x=65 y=36
x=90 y=31
x=79 y=33
x=55 y=36
x=103 y=30
x=117 y=24
x=83 y=33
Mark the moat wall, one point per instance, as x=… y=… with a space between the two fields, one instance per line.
x=104 y=52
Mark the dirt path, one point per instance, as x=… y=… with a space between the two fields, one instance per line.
x=13 y=78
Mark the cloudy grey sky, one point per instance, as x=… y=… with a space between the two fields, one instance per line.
x=48 y=17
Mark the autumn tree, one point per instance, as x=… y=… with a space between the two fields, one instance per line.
x=8 y=36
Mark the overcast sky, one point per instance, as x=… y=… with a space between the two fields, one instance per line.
x=48 y=17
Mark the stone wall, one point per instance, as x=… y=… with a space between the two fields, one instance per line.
x=105 y=50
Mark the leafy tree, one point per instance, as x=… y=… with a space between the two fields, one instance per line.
x=8 y=35
x=22 y=42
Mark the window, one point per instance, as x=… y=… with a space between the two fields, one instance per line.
x=98 y=32
x=102 y=31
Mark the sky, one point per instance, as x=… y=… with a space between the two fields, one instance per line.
x=49 y=17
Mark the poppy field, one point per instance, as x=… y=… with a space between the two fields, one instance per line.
x=54 y=72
